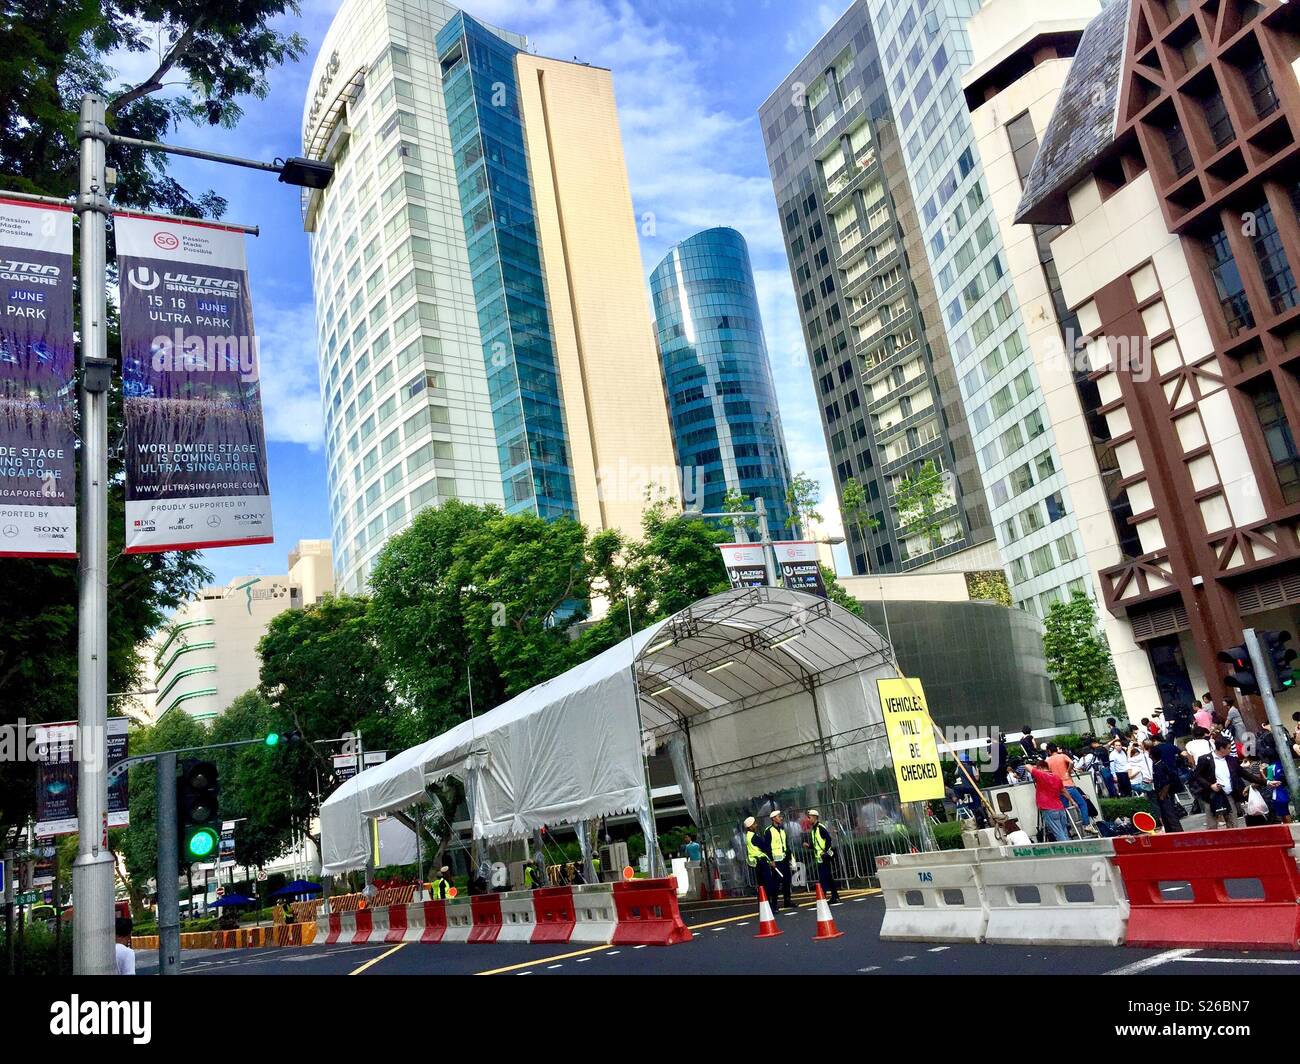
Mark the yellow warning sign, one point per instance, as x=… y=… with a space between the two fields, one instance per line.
x=911 y=739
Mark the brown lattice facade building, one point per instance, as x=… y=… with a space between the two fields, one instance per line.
x=1167 y=182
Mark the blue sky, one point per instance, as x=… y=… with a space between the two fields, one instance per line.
x=689 y=78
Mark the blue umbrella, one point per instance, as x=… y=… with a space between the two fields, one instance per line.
x=233 y=899
x=298 y=886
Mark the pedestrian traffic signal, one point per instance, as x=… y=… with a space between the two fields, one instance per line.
x=1243 y=675
x=197 y=812
x=1280 y=656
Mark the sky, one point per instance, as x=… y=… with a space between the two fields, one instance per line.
x=688 y=77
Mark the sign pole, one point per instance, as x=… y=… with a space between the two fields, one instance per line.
x=92 y=872
x=169 y=914
x=1264 y=676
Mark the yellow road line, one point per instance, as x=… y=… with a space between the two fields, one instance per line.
x=376 y=960
x=545 y=960
x=597 y=949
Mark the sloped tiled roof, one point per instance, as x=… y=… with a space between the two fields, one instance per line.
x=1082 y=125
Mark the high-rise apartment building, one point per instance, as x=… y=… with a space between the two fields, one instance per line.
x=206 y=655
x=483 y=329
x=721 y=399
x=878 y=354
x=1022 y=54
x=1167 y=173
x=925 y=50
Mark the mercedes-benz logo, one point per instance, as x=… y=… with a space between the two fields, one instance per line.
x=213 y=521
x=10 y=531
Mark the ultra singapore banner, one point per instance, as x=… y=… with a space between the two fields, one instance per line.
x=38 y=504
x=195 y=446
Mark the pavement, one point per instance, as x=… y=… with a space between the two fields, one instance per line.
x=724 y=944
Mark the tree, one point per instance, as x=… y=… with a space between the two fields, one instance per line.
x=50 y=55
x=802 y=498
x=921 y=500
x=1078 y=656
x=854 y=498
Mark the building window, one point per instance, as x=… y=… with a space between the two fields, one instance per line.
x=1179 y=153
x=1273 y=265
x=1227 y=282
x=1259 y=83
x=1280 y=442
x=1216 y=117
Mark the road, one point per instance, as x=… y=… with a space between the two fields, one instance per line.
x=724 y=944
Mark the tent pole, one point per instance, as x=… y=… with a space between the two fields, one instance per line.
x=654 y=861
x=821 y=742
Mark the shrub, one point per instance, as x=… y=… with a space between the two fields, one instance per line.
x=1113 y=808
x=948 y=835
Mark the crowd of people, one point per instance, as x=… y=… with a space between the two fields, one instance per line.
x=1223 y=771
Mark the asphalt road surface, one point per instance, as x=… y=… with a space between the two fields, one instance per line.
x=724 y=944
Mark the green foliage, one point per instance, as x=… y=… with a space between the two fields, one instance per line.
x=802 y=498
x=1078 y=657
x=948 y=834
x=989 y=585
x=1112 y=808
x=853 y=498
x=921 y=500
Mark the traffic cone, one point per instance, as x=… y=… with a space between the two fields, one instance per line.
x=718 y=892
x=766 y=921
x=825 y=922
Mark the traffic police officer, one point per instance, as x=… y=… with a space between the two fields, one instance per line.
x=779 y=845
x=823 y=854
x=441 y=886
x=530 y=876
x=758 y=853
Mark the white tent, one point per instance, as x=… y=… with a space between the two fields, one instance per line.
x=739 y=675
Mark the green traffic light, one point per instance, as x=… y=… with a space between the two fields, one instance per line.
x=273 y=739
x=202 y=843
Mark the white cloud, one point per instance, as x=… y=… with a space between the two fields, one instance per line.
x=290 y=387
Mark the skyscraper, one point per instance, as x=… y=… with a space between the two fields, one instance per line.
x=925 y=50
x=721 y=399
x=879 y=357
x=479 y=336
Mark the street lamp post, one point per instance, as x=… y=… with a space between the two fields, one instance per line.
x=92 y=871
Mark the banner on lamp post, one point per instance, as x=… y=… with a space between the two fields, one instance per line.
x=196 y=473
x=746 y=566
x=38 y=480
x=800 y=566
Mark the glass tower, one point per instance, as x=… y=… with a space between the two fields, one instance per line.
x=496 y=200
x=721 y=399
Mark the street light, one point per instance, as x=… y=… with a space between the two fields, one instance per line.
x=92 y=872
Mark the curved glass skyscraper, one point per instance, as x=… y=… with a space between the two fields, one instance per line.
x=721 y=399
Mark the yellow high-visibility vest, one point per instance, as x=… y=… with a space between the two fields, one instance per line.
x=819 y=843
x=752 y=851
x=777 y=837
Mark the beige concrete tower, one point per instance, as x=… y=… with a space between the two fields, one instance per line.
x=613 y=392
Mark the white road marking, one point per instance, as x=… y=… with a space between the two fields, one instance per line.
x=743 y=923
x=937 y=949
x=642 y=946
x=909 y=957
x=873 y=968
x=552 y=967
x=583 y=960
x=524 y=973
x=1148 y=963
x=613 y=953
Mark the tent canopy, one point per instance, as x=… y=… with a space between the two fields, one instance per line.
x=569 y=749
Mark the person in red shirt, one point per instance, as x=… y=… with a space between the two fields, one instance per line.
x=1061 y=763
x=1048 y=790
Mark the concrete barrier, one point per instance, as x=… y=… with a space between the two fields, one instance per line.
x=595 y=916
x=459 y=915
x=1061 y=901
x=938 y=902
x=518 y=919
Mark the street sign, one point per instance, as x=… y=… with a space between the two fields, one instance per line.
x=29 y=897
x=345 y=765
x=261 y=875
x=221 y=892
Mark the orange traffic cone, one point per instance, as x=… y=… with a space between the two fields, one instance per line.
x=718 y=892
x=766 y=921
x=825 y=922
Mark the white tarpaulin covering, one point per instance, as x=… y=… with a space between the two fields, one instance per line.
x=744 y=673
x=563 y=751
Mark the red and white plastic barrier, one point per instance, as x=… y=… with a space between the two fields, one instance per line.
x=640 y=912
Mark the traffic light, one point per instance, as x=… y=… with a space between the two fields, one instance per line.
x=1243 y=675
x=198 y=821
x=290 y=738
x=1280 y=656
